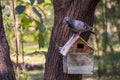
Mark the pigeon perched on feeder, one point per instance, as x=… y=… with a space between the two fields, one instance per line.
x=78 y=26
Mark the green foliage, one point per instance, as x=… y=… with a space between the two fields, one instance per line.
x=38 y=14
x=32 y=1
x=41 y=40
x=20 y=9
x=23 y=75
x=40 y=27
x=34 y=20
x=25 y=21
x=105 y=41
x=2 y=5
x=34 y=26
x=40 y=1
x=111 y=63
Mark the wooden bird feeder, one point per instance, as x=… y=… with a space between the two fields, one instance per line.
x=79 y=57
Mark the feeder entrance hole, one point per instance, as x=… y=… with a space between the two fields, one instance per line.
x=80 y=46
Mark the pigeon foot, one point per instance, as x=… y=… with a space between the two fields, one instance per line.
x=77 y=34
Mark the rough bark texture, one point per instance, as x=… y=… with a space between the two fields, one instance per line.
x=6 y=68
x=76 y=9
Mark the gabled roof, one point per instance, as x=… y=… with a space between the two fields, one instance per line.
x=85 y=42
x=64 y=50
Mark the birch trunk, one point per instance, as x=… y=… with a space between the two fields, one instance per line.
x=16 y=27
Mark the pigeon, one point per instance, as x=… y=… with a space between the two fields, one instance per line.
x=78 y=26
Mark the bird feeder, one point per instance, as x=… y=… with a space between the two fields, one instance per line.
x=79 y=56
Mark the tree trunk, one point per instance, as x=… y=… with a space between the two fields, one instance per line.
x=76 y=9
x=6 y=68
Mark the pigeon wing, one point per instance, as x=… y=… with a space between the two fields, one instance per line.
x=78 y=25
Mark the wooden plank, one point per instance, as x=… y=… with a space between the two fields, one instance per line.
x=78 y=63
x=65 y=68
x=79 y=59
x=80 y=70
x=64 y=50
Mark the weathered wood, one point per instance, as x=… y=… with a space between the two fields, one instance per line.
x=78 y=63
x=86 y=48
x=80 y=70
x=65 y=68
x=64 y=50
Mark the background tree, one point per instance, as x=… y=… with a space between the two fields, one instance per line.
x=106 y=40
x=76 y=9
x=6 y=68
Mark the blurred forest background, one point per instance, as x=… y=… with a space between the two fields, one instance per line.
x=28 y=25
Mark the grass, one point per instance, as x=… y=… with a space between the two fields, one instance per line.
x=36 y=74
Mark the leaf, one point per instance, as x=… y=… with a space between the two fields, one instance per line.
x=20 y=9
x=37 y=23
x=32 y=1
x=38 y=14
x=31 y=19
x=2 y=5
x=41 y=40
x=51 y=1
x=40 y=26
x=47 y=4
x=40 y=1
x=25 y=22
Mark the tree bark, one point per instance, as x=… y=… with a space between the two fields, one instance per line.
x=6 y=67
x=76 y=9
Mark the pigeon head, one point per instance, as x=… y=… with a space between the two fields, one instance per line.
x=69 y=21
x=67 y=18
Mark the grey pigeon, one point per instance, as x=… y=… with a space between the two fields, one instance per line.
x=78 y=26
